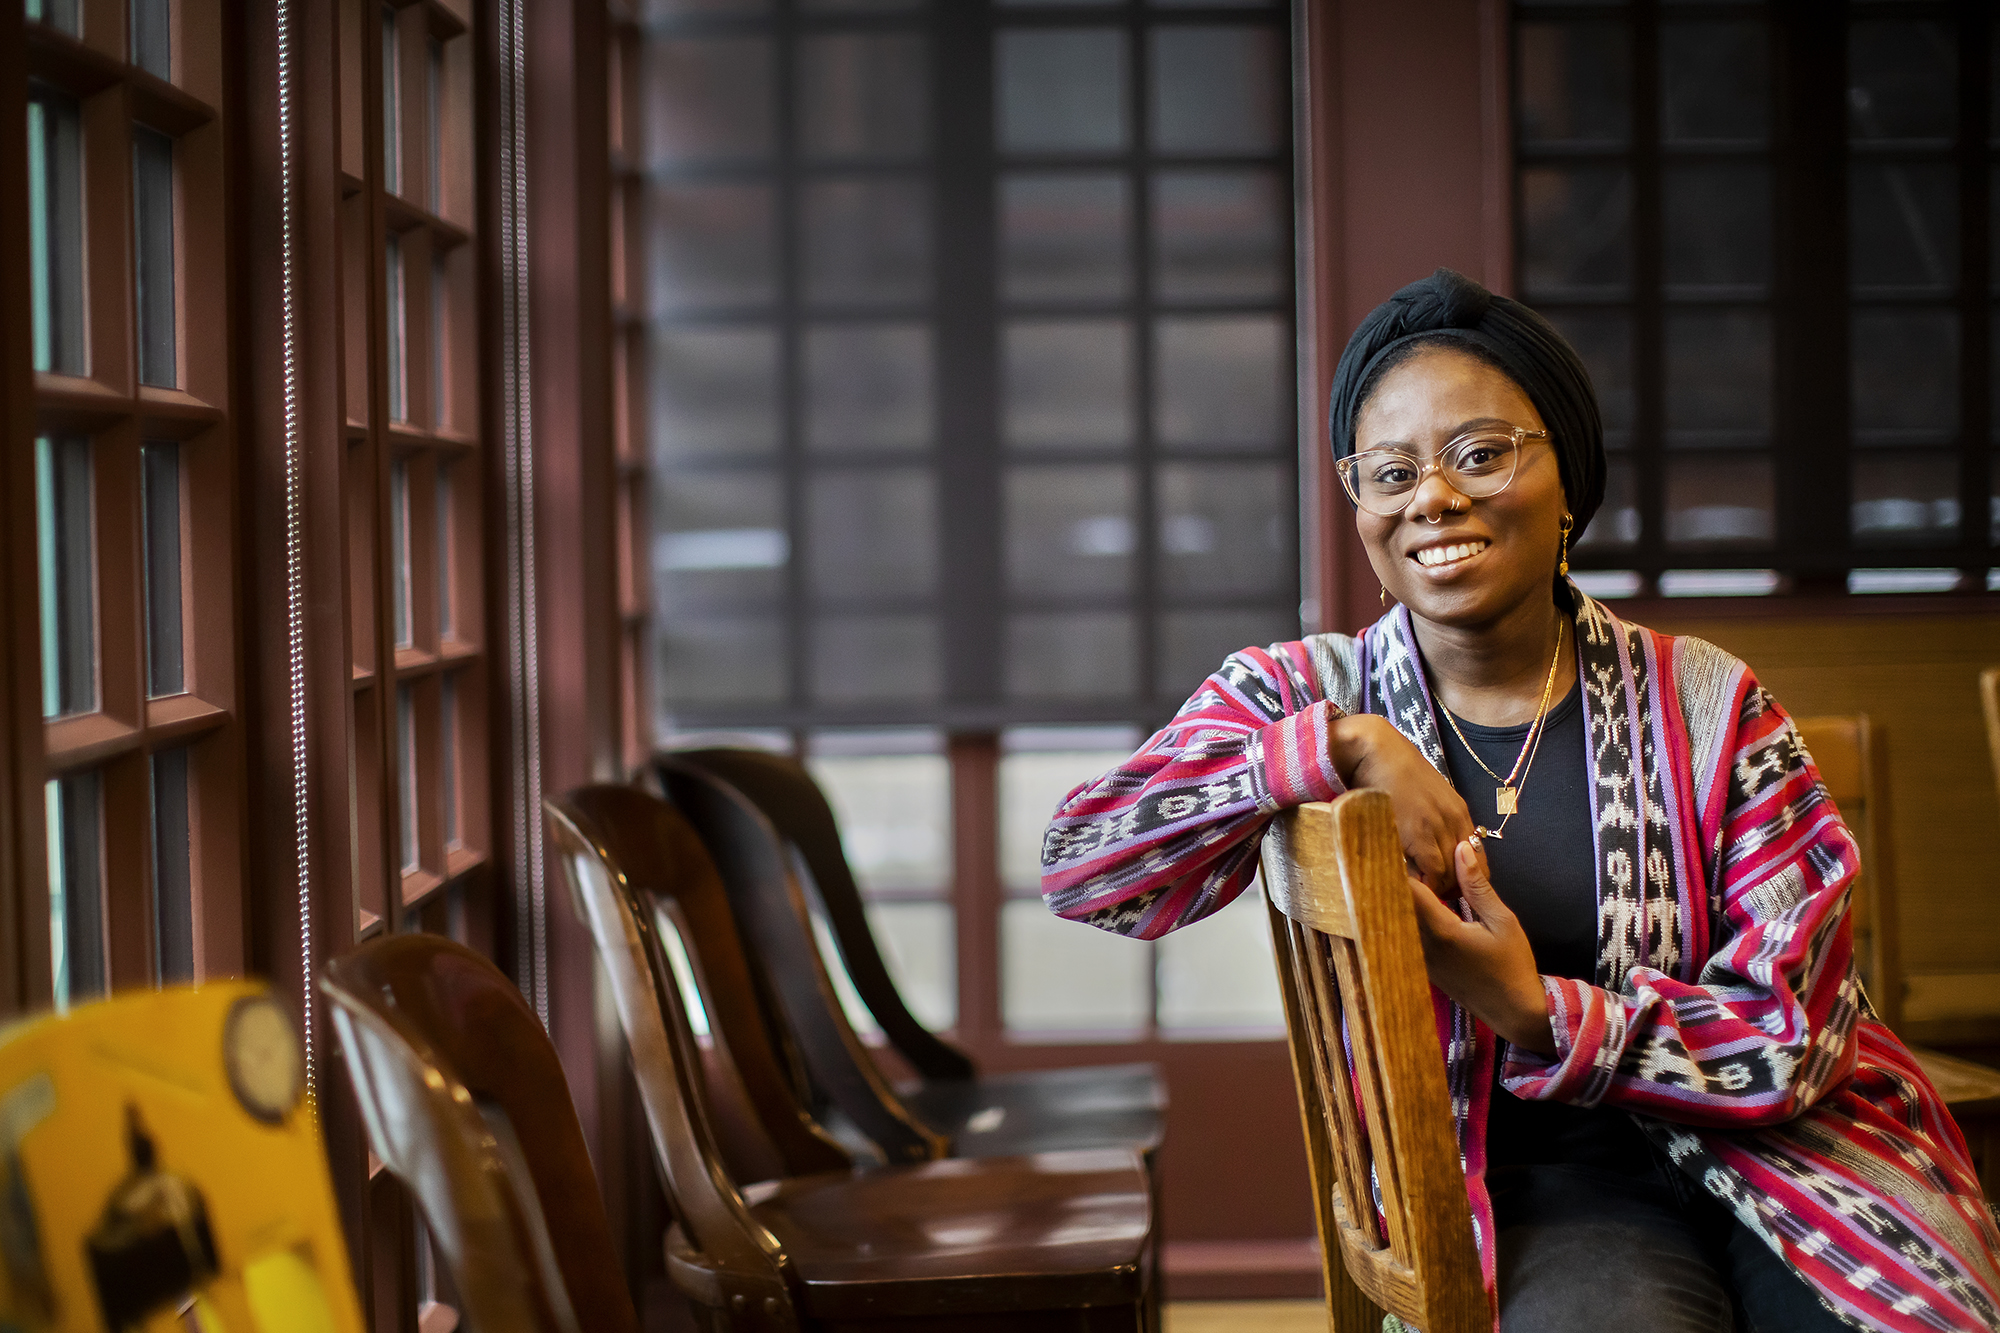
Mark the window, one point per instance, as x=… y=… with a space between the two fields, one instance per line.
x=1687 y=179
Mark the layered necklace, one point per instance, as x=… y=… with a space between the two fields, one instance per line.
x=1507 y=796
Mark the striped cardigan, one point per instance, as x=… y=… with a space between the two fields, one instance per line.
x=1725 y=1014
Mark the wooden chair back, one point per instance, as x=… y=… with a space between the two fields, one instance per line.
x=1989 y=698
x=465 y=1099
x=1370 y=1072
x=753 y=858
x=1853 y=762
x=786 y=794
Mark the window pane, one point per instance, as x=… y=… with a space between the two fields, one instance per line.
x=919 y=942
x=1062 y=977
x=398 y=334
x=1576 y=227
x=392 y=104
x=1224 y=382
x=714 y=393
x=439 y=340
x=153 y=203
x=1218 y=977
x=868 y=242
x=173 y=881
x=709 y=99
x=1718 y=378
x=1063 y=238
x=1902 y=82
x=670 y=9
x=1067 y=384
x=161 y=482
x=1616 y=522
x=1902 y=226
x=1575 y=83
x=1193 y=644
x=868 y=387
x=1220 y=235
x=894 y=809
x=1905 y=497
x=864 y=95
x=1719 y=500
x=1072 y=655
x=1070 y=530
x=76 y=888
x=1905 y=380
x=1603 y=338
x=399 y=550
x=1217 y=90
x=55 y=230
x=448 y=757
x=434 y=123
x=1715 y=83
x=66 y=550
x=406 y=771
x=1061 y=91
x=713 y=247
x=60 y=14
x=720 y=541
x=1717 y=227
x=872 y=533
x=444 y=543
x=1039 y=768
x=721 y=662
x=1226 y=528
x=875 y=659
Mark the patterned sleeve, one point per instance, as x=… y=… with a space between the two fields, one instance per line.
x=1769 y=1024
x=1170 y=835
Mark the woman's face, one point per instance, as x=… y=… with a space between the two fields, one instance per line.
x=1512 y=538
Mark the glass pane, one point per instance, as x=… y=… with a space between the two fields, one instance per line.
x=55 y=230
x=894 y=809
x=1220 y=235
x=399 y=550
x=1715 y=83
x=1061 y=90
x=1063 y=238
x=1039 y=768
x=446 y=544
x=1070 y=530
x=173 y=879
x=872 y=533
x=76 y=888
x=153 y=205
x=714 y=393
x=919 y=942
x=440 y=337
x=1603 y=338
x=879 y=659
x=398 y=334
x=160 y=477
x=448 y=757
x=1217 y=90
x=1718 y=378
x=61 y=14
x=406 y=771
x=1194 y=644
x=1902 y=223
x=1905 y=497
x=1718 y=230
x=1224 y=382
x=1905 y=378
x=720 y=541
x=708 y=99
x=1719 y=500
x=1902 y=82
x=712 y=246
x=434 y=124
x=716 y=663
x=1067 y=384
x=392 y=104
x=66 y=554
x=1218 y=976
x=1062 y=977
x=1616 y=522
x=1226 y=528
x=858 y=6
x=868 y=387
x=864 y=95
x=672 y=9
x=868 y=242
x=1576 y=227
x=1574 y=84
x=1072 y=655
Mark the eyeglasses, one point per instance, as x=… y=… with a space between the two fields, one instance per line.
x=1477 y=464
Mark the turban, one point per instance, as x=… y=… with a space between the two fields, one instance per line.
x=1451 y=306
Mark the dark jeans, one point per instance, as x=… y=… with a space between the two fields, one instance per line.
x=1584 y=1248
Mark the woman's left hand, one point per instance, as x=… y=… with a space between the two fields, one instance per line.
x=1485 y=964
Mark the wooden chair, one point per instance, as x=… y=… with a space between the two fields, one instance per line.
x=1370 y=1073
x=465 y=1101
x=1853 y=764
x=1989 y=698
x=752 y=809
x=1051 y=1241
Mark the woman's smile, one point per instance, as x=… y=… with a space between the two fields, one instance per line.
x=1447 y=557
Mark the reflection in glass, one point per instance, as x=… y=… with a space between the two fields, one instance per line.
x=55 y=230
x=1576 y=225
x=868 y=387
x=1715 y=83
x=1220 y=235
x=863 y=94
x=1066 y=383
x=1218 y=979
x=713 y=245
x=1902 y=226
x=1905 y=375
x=872 y=532
x=406 y=773
x=65 y=525
x=1071 y=655
x=1194 y=644
x=1223 y=382
x=1905 y=496
x=719 y=540
x=1573 y=83
x=399 y=550
x=1718 y=378
x=719 y=663
x=876 y=659
x=173 y=878
x=1063 y=237
x=1070 y=530
x=74 y=808
x=709 y=99
x=714 y=393
x=1226 y=528
x=1061 y=90
x=153 y=245
x=867 y=242
x=1717 y=225
x=160 y=506
x=1060 y=976
x=1902 y=82
x=1217 y=90
x=1719 y=500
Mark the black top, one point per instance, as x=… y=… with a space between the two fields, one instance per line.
x=1545 y=869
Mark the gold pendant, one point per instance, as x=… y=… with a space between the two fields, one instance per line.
x=1506 y=799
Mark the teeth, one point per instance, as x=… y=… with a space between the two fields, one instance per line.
x=1433 y=556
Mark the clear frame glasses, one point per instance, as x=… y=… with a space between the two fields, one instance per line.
x=1478 y=464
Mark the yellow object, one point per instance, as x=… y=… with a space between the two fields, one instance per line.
x=157 y=1149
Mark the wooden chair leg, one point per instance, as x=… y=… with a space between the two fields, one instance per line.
x=1350 y=1310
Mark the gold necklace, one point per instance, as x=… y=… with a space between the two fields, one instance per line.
x=1507 y=796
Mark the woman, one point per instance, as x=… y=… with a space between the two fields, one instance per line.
x=1675 y=1108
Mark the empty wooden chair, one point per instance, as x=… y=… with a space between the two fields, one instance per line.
x=1377 y=1116
x=747 y=805
x=465 y=1101
x=1054 y=1241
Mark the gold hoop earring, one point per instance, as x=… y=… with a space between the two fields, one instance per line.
x=1562 y=561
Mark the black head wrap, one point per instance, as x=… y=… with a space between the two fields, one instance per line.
x=1452 y=306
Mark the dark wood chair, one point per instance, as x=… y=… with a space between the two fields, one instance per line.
x=465 y=1101
x=751 y=809
x=1051 y=1241
x=1370 y=1073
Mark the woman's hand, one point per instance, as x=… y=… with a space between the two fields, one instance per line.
x=1486 y=964
x=1431 y=818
